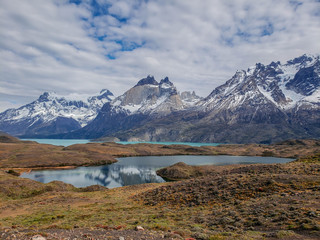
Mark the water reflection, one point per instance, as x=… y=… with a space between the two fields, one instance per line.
x=117 y=175
x=136 y=170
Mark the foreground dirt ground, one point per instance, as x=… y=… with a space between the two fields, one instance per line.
x=279 y=201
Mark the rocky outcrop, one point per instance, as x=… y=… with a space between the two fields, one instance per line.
x=190 y=98
x=179 y=171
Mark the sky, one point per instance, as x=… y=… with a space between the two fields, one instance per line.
x=83 y=46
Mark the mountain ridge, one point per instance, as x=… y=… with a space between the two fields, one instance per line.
x=52 y=113
x=264 y=104
x=257 y=105
x=145 y=101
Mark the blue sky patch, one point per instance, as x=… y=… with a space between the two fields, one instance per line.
x=267 y=30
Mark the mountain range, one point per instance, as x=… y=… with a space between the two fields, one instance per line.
x=263 y=104
x=53 y=114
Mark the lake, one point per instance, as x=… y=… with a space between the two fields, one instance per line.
x=68 y=142
x=58 y=142
x=137 y=170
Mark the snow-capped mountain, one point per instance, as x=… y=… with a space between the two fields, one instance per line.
x=52 y=113
x=265 y=103
x=284 y=86
x=147 y=100
x=149 y=97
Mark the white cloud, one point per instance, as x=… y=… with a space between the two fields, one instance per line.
x=57 y=46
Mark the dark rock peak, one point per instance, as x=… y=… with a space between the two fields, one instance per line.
x=306 y=81
x=300 y=60
x=106 y=92
x=167 y=87
x=148 y=80
x=269 y=71
x=274 y=64
x=50 y=96
x=166 y=81
x=44 y=97
x=260 y=66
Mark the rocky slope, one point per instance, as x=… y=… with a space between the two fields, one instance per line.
x=190 y=98
x=263 y=104
x=52 y=113
x=146 y=101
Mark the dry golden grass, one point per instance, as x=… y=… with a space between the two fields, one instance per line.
x=232 y=202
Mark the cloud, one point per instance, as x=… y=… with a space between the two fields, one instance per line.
x=12 y=101
x=84 y=46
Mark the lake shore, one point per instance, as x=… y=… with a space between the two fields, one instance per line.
x=277 y=201
x=28 y=155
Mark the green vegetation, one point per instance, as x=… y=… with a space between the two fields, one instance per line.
x=311 y=159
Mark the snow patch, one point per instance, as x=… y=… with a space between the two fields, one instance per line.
x=267 y=95
x=251 y=70
x=315 y=97
x=165 y=85
x=132 y=108
x=82 y=108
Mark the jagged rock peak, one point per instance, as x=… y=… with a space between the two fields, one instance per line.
x=188 y=94
x=44 y=97
x=75 y=97
x=166 y=81
x=284 y=86
x=148 y=80
x=301 y=60
x=189 y=98
x=106 y=92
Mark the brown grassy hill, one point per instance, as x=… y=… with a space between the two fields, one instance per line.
x=265 y=198
x=6 y=138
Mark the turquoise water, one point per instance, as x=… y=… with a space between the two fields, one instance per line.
x=137 y=170
x=68 y=142
x=60 y=142
x=179 y=143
